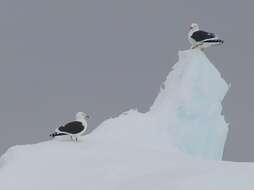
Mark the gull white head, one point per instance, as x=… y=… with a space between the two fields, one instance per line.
x=194 y=27
x=82 y=116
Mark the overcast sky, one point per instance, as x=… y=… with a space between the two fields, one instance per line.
x=103 y=57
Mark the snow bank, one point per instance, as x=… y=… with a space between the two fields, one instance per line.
x=111 y=164
x=137 y=151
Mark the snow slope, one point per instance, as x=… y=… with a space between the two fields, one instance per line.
x=142 y=151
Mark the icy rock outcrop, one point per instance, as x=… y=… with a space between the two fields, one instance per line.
x=190 y=106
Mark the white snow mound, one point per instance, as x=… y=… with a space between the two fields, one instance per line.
x=138 y=151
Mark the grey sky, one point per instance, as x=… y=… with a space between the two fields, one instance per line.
x=107 y=56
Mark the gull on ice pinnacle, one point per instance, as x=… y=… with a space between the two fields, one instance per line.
x=202 y=39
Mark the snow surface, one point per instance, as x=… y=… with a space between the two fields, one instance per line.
x=137 y=151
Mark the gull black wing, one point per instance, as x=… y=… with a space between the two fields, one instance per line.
x=73 y=127
x=201 y=35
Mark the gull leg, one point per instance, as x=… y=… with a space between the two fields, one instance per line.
x=196 y=45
